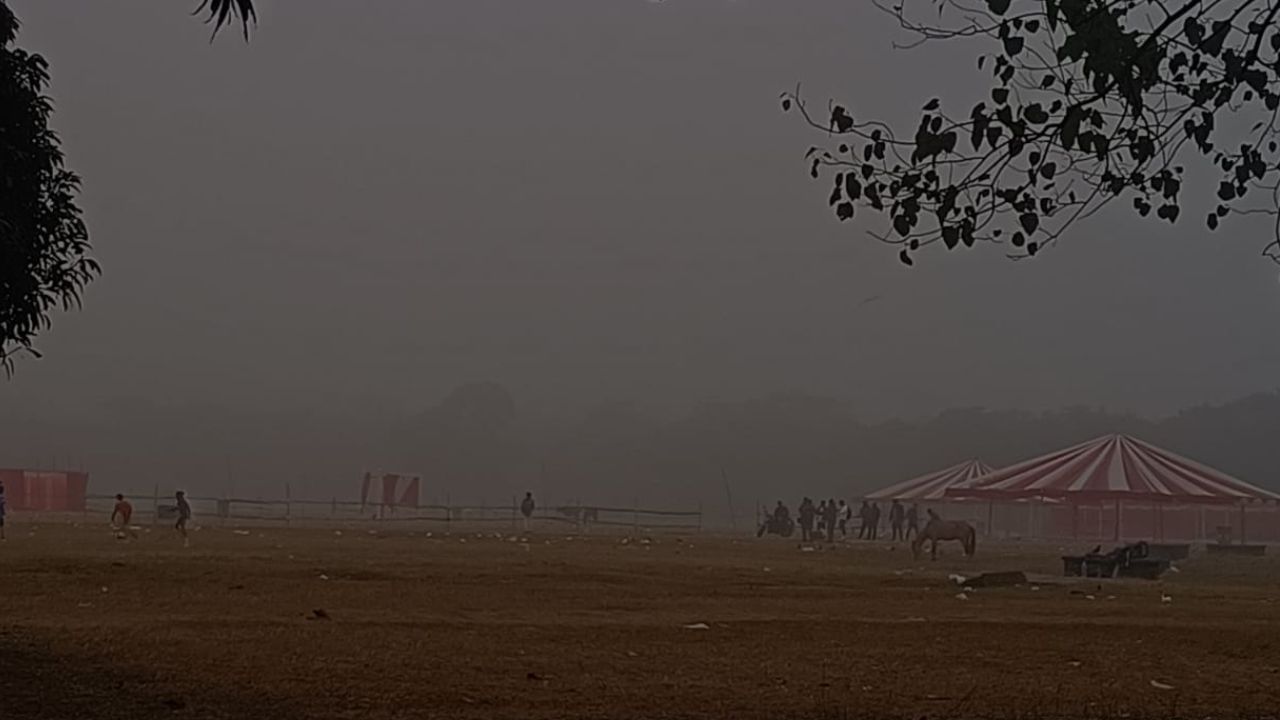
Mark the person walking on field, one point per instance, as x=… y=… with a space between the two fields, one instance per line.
x=123 y=512
x=864 y=520
x=829 y=520
x=843 y=511
x=913 y=521
x=184 y=514
x=526 y=509
x=897 y=516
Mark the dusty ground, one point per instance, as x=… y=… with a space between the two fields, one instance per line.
x=470 y=627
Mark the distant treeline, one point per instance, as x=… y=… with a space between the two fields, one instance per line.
x=477 y=444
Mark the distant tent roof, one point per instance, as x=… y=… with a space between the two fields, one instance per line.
x=1115 y=467
x=934 y=485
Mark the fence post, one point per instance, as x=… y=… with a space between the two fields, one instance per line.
x=155 y=514
x=635 y=516
x=288 y=503
x=333 y=510
x=735 y=525
x=448 y=512
x=514 y=511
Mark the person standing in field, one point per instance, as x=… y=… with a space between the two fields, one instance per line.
x=864 y=521
x=807 y=512
x=844 y=512
x=873 y=515
x=913 y=521
x=897 y=516
x=829 y=520
x=526 y=509
x=2 y=511
x=184 y=514
x=121 y=515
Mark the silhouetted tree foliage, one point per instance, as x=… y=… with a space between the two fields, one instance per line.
x=44 y=244
x=1091 y=101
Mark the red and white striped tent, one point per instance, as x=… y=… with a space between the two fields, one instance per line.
x=1126 y=483
x=1114 y=467
x=933 y=487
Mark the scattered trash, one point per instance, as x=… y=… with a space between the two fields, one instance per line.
x=768 y=569
x=319 y=614
x=644 y=541
x=240 y=532
x=338 y=533
x=427 y=535
x=957 y=579
x=1165 y=598
x=967 y=588
x=1160 y=686
x=807 y=548
x=1090 y=597
x=324 y=577
x=104 y=590
x=1111 y=597
x=632 y=653
x=697 y=626
x=1073 y=663
x=962 y=596
x=85 y=605
x=1035 y=588
x=462 y=540
x=1174 y=568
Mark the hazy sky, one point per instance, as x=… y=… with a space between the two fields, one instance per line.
x=584 y=200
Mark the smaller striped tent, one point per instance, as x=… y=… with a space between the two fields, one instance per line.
x=933 y=487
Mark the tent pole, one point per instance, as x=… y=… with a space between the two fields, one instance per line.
x=1075 y=521
x=1242 y=532
x=991 y=530
x=1117 y=538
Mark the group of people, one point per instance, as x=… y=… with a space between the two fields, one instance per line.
x=122 y=514
x=831 y=516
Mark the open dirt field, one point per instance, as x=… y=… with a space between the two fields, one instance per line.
x=478 y=627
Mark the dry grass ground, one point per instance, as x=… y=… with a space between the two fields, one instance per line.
x=470 y=627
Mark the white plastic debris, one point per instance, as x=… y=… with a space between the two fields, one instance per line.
x=1174 y=568
x=1165 y=598
x=105 y=590
x=807 y=548
x=697 y=626
x=1090 y=597
x=962 y=596
x=768 y=569
x=957 y=579
x=240 y=532
x=1035 y=588
x=324 y=577
x=968 y=588
x=1073 y=663
x=1160 y=686
x=338 y=533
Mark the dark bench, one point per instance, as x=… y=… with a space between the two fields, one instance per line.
x=1133 y=561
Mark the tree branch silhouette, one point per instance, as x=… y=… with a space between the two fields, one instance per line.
x=1090 y=101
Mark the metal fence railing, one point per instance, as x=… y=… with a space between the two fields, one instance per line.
x=157 y=508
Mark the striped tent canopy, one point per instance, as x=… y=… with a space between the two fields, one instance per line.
x=1114 y=467
x=934 y=485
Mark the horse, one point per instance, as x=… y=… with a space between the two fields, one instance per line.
x=937 y=529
